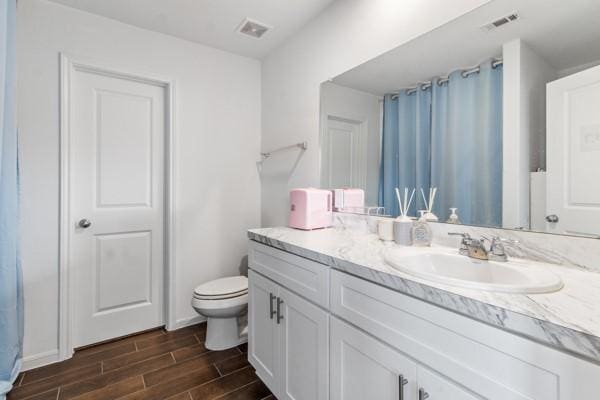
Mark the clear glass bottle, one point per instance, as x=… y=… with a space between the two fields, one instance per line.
x=421 y=231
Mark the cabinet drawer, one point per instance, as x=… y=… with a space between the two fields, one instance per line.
x=448 y=343
x=307 y=278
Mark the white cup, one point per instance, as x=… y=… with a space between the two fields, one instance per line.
x=385 y=229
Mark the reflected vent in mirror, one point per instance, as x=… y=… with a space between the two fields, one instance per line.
x=500 y=22
x=252 y=28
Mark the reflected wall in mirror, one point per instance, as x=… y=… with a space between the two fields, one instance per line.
x=499 y=109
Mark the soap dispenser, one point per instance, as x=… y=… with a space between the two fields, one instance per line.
x=421 y=231
x=453 y=218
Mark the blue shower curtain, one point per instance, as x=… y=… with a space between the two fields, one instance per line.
x=406 y=148
x=466 y=146
x=11 y=296
x=449 y=137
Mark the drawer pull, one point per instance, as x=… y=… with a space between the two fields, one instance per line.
x=423 y=394
x=279 y=316
x=271 y=310
x=402 y=381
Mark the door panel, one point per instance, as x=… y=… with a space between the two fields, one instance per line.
x=117 y=134
x=363 y=368
x=263 y=335
x=573 y=189
x=305 y=349
x=124 y=143
x=118 y=286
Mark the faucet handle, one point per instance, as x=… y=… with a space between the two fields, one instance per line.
x=497 y=252
x=463 y=234
x=504 y=240
x=466 y=239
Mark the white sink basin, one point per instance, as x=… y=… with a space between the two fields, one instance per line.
x=457 y=270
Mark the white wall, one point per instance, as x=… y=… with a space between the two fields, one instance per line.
x=525 y=75
x=346 y=34
x=217 y=144
x=351 y=104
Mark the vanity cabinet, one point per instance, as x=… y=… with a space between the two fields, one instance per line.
x=351 y=339
x=288 y=340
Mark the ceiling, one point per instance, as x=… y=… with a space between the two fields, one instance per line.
x=211 y=22
x=565 y=33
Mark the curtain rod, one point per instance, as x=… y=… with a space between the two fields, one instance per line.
x=443 y=79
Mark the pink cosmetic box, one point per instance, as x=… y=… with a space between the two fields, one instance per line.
x=310 y=208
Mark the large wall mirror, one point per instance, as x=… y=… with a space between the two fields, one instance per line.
x=499 y=110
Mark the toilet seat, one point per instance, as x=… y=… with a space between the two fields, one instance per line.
x=221 y=289
x=220 y=304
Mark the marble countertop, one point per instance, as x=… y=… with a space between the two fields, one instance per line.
x=568 y=319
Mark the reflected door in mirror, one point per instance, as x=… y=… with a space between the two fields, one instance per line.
x=344 y=160
x=573 y=190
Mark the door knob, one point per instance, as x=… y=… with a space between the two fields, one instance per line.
x=84 y=223
x=552 y=218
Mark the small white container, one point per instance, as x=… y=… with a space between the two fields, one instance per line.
x=403 y=230
x=385 y=229
x=373 y=223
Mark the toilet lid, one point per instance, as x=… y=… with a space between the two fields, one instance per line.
x=233 y=285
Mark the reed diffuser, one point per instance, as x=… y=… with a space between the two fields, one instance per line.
x=429 y=215
x=403 y=224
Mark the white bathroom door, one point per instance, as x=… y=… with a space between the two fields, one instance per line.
x=116 y=204
x=573 y=151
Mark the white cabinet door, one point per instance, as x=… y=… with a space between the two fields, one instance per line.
x=305 y=349
x=364 y=368
x=263 y=335
x=433 y=386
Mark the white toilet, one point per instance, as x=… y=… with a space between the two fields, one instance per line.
x=224 y=302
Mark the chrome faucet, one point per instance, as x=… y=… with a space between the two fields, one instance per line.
x=475 y=248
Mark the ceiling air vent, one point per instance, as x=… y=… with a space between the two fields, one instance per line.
x=253 y=28
x=500 y=22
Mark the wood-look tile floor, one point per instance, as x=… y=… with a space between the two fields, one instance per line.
x=153 y=365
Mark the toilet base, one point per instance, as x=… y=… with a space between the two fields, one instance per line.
x=223 y=333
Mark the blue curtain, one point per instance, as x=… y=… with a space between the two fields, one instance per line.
x=388 y=175
x=406 y=147
x=11 y=296
x=449 y=137
x=466 y=146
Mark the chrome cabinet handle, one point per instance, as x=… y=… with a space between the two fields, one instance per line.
x=271 y=310
x=423 y=394
x=402 y=381
x=84 y=223
x=279 y=316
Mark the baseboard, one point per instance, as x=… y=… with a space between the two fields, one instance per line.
x=40 y=359
x=183 y=322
